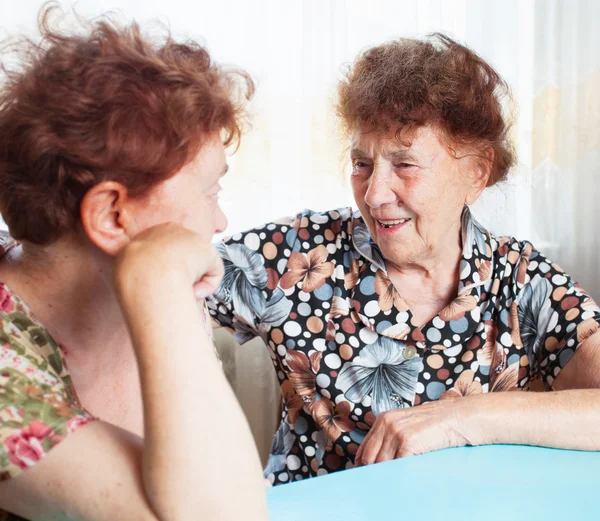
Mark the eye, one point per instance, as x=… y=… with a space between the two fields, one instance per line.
x=360 y=165
x=403 y=165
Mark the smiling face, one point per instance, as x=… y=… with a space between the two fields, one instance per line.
x=412 y=195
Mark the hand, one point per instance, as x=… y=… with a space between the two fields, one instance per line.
x=415 y=430
x=170 y=252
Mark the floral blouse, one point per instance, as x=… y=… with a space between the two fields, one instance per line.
x=344 y=343
x=38 y=404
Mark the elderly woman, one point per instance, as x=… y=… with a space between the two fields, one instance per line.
x=398 y=329
x=111 y=152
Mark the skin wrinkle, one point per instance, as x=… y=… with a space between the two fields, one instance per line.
x=422 y=257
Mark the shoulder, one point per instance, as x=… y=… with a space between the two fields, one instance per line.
x=28 y=353
x=22 y=336
x=539 y=285
x=39 y=406
x=325 y=228
x=280 y=238
x=261 y=262
x=520 y=261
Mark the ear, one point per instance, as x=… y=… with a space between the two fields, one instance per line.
x=105 y=217
x=480 y=175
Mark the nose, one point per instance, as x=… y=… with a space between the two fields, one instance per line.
x=380 y=191
x=220 y=221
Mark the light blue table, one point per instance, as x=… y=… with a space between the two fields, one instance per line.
x=493 y=483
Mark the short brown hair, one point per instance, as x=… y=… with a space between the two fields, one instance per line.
x=407 y=83
x=106 y=105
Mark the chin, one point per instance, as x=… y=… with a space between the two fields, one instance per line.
x=409 y=255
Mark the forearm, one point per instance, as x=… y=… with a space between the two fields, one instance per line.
x=565 y=419
x=198 y=449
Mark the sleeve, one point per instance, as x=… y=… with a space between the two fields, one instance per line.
x=555 y=315
x=38 y=406
x=248 y=301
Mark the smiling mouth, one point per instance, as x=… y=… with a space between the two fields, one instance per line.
x=392 y=223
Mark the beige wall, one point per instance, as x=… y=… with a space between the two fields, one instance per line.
x=250 y=371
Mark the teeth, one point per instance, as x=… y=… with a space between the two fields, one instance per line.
x=389 y=224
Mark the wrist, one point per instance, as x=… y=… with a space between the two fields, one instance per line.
x=155 y=289
x=474 y=422
x=132 y=273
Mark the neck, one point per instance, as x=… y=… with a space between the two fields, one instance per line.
x=433 y=279
x=67 y=286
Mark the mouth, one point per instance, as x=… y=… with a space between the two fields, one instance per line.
x=389 y=225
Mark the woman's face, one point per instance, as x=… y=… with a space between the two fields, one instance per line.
x=190 y=197
x=411 y=197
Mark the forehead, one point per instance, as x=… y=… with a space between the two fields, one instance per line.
x=372 y=141
x=201 y=173
x=211 y=156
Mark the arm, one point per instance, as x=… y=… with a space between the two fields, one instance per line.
x=197 y=451
x=192 y=468
x=567 y=417
x=248 y=302
x=532 y=418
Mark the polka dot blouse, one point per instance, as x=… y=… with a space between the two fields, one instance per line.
x=344 y=343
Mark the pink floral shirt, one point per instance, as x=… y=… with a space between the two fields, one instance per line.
x=38 y=404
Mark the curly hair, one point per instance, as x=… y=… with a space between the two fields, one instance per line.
x=407 y=83
x=109 y=104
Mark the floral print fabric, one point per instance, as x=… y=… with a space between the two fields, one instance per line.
x=38 y=405
x=345 y=345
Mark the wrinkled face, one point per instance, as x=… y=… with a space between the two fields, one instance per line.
x=191 y=196
x=411 y=195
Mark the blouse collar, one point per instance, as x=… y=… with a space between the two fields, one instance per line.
x=381 y=308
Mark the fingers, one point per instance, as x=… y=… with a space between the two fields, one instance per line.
x=209 y=280
x=369 y=448
x=206 y=287
x=388 y=439
x=407 y=432
x=359 y=452
x=389 y=448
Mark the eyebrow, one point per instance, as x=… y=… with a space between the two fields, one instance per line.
x=397 y=155
x=401 y=155
x=356 y=152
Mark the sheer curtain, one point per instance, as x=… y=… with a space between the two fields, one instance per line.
x=566 y=136
x=293 y=157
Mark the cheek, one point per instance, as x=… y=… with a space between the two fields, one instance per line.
x=201 y=214
x=432 y=197
x=205 y=216
x=153 y=213
x=419 y=195
x=359 y=189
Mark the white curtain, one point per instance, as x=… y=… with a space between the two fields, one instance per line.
x=547 y=50
x=566 y=136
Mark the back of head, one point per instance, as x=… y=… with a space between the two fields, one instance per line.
x=106 y=104
x=407 y=83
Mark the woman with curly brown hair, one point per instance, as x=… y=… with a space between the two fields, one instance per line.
x=396 y=329
x=113 y=404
